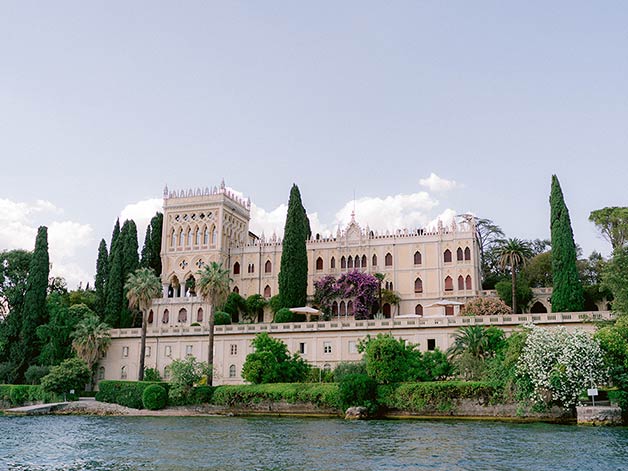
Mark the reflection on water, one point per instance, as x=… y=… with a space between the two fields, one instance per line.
x=263 y=443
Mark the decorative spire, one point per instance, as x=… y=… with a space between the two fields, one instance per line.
x=165 y=191
x=222 y=184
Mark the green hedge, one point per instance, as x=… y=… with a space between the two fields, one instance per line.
x=124 y=393
x=154 y=397
x=416 y=397
x=17 y=395
x=320 y=394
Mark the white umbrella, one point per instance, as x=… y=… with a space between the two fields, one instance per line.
x=445 y=302
x=305 y=310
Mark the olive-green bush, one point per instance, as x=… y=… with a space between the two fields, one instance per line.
x=358 y=389
x=319 y=394
x=16 y=395
x=124 y=393
x=154 y=397
x=222 y=318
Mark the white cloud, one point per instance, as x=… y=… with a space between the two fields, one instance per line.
x=141 y=212
x=446 y=218
x=437 y=184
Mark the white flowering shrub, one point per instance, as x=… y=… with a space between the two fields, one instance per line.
x=560 y=364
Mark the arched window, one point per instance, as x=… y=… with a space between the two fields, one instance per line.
x=334 y=308
x=418 y=285
x=417 y=258
x=101 y=372
x=232 y=371
x=236 y=290
x=199 y=315
x=150 y=317
x=326 y=367
x=350 y=308
x=467 y=253
x=374 y=260
x=332 y=263
x=173 y=242
x=183 y=315
x=267 y=291
x=236 y=268
x=418 y=310
x=460 y=283
x=190 y=237
x=467 y=282
x=357 y=261
x=319 y=263
x=447 y=256
x=342 y=309
x=349 y=262
x=214 y=235
x=449 y=284
x=388 y=260
x=181 y=238
x=343 y=262
x=206 y=236
x=459 y=255
x=166 y=317
x=363 y=261
x=123 y=372
x=386 y=310
x=268 y=267
x=197 y=236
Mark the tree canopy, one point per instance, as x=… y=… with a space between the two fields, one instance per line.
x=612 y=222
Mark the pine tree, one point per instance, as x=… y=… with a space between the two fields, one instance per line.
x=35 y=312
x=130 y=263
x=293 y=271
x=100 y=281
x=568 y=294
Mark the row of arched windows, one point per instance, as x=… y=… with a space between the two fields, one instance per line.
x=460 y=255
x=268 y=267
x=181 y=317
x=191 y=237
x=464 y=283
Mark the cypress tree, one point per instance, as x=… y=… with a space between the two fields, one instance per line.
x=156 y=224
x=100 y=281
x=35 y=311
x=293 y=271
x=114 y=238
x=147 y=249
x=568 y=294
x=130 y=263
x=114 y=291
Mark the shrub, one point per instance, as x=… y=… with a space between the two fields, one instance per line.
x=319 y=394
x=7 y=372
x=222 y=318
x=124 y=393
x=319 y=375
x=154 y=397
x=152 y=375
x=485 y=307
x=358 y=390
x=18 y=394
x=388 y=360
x=184 y=374
x=432 y=366
x=348 y=367
x=201 y=395
x=272 y=363
x=35 y=373
x=72 y=373
x=284 y=315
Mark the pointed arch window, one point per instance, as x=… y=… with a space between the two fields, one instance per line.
x=181 y=238
x=342 y=309
x=319 y=263
x=150 y=317
x=197 y=236
x=183 y=315
x=236 y=268
x=268 y=267
x=123 y=372
x=267 y=293
x=468 y=282
x=363 y=261
x=206 y=236
x=343 y=262
x=349 y=262
x=199 y=315
x=357 y=261
x=459 y=255
x=467 y=253
x=232 y=371
x=214 y=235
x=190 y=237
x=417 y=258
x=350 y=308
x=418 y=285
x=386 y=310
x=374 y=260
x=460 y=283
x=447 y=256
x=449 y=284
x=332 y=263
x=166 y=317
x=173 y=242
x=334 y=308
x=388 y=260
x=418 y=310
x=236 y=290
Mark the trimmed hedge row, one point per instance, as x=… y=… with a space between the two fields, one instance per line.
x=124 y=393
x=415 y=397
x=18 y=394
x=320 y=394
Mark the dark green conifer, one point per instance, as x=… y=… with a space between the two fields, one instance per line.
x=156 y=224
x=130 y=263
x=114 y=238
x=293 y=271
x=114 y=291
x=147 y=250
x=35 y=312
x=100 y=281
x=568 y=294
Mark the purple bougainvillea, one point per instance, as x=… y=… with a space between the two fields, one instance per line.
x=355 y=285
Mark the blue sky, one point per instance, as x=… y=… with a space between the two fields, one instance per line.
x=102 y=103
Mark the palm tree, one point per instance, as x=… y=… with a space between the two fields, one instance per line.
x=469 y=340
x=213 y=286
x=514 y=253
x=141 y=287
x=91 y=338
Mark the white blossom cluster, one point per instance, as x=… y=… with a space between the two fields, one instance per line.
x=560 y=364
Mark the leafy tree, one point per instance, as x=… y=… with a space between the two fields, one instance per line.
x=56 y=335
x=152 y=374
x=83 y=296
x=615 y=277
x=100 y=281
x=271 y=362
x=348 y=367
x=222 y=318
x=538 y=270
x=358 y=390
x=432 y=366
x=293 y=271
x=184 y=374
x=35 y=373
x=614 y=343
x=489 y=235
x=35 y=312
x=612 y=222
x=255 y=305
x=72 y=373
x=213 y=286
x=147 y=250
x=523 y=293
x=141 y=287
x=388 y=360
x=514 y=253
x=567 y=294
x=472 y=346
x=91 y=338
x=236 y=307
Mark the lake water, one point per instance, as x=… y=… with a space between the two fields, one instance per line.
x=266 y=443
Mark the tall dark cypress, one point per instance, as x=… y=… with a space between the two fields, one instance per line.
x=567 y=293
x=100 y=281
x=156 y=224
x=130 y=263
x=114 y=238
x=35 y=311
x=293 y=271
x=147 y=249
x=114 y=291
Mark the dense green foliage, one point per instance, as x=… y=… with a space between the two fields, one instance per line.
x=154 y=397
x=184 y=375
x=614 y=343
x=320 y=394
x=235 y=305
x=124 y=393
x=255 y=305
x=358 y=390
x=151 y=251
x=472 y=346
x=35 y=373
x=17 y=395
x=293 y=272
x=90 y=339
x=56 y=334
x=272 y=363
x=512 y=255
x=35 y=312
x=72 y=373
x=615 y=277
x=612 y=222
x=100 y=280
x=523 y=293
x=567 y=295
x=286 y=315
x=347 y=368
x=222 y=318
x=152 y=374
